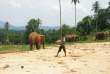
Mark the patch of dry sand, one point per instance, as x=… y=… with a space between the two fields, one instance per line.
x=87 y=58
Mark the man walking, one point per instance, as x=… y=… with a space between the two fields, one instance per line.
x=62 y=46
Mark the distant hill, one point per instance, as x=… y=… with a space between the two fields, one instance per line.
x=47 y=27
x=11 y=26
x=23 y=27
x=1 y=24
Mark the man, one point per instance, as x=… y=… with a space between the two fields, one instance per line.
x=62 y=46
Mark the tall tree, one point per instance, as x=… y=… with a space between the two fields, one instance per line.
x=96 y=9
x=6 y=27
x=104 y=18
x=87 y=23
x=39 y=23
x=109 y=4
x=33 y=26
x=75 y=2
x=85 y=26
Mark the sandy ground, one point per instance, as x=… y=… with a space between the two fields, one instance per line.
x=87 y=58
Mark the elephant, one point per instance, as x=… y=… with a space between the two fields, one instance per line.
x=42 y=39
x=107 y=34
x=100 y=35
x=72 y=38
x=68 y=38
x=34 y=38
x=75 y=37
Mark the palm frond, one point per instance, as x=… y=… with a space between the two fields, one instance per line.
x=75 y=1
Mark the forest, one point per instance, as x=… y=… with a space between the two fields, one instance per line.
x=88 y=26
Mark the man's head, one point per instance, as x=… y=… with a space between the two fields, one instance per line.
x=63 y=35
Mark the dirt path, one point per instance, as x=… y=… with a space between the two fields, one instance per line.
x=91 y=58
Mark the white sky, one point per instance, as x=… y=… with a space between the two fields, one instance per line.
x=19 y=12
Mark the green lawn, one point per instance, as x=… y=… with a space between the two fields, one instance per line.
x=26 y=47
x=17 y=47
x=87 y=41
x=14 y=47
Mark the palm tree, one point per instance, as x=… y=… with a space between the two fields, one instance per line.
x=96 y=9
x=109 y=4
x=60 y=17
x=39 y=23
x=75 y=2
x=6 y=27
x=87 y=23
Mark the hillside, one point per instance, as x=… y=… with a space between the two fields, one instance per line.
x=23 y=27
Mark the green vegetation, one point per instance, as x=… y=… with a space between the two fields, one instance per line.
x=96 y=9
x=17 y=47
x=87 y=41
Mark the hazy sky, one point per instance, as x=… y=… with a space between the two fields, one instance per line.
x=19 y=12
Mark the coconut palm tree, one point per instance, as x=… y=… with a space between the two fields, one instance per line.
x=87 y=23
x=96 y=9
x=6 y=27
x=39 y=23
x=75 y=2
x=60 y=17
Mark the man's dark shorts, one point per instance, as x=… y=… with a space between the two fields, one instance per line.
x=62 y=46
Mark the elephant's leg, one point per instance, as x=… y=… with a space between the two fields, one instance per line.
x=31 y=46
x=43 y=44
x=36 y=46
x=69 y=40
x=75 y=40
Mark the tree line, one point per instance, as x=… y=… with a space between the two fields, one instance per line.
x=89 y=25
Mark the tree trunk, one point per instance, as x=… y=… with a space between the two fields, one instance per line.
x=75 y=18
x=7 y=34
x=96 y=22
x=60 y=18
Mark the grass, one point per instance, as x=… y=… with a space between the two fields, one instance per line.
x=26 y=47
x=17 y=47
x=14 y=48
x=87 y=41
